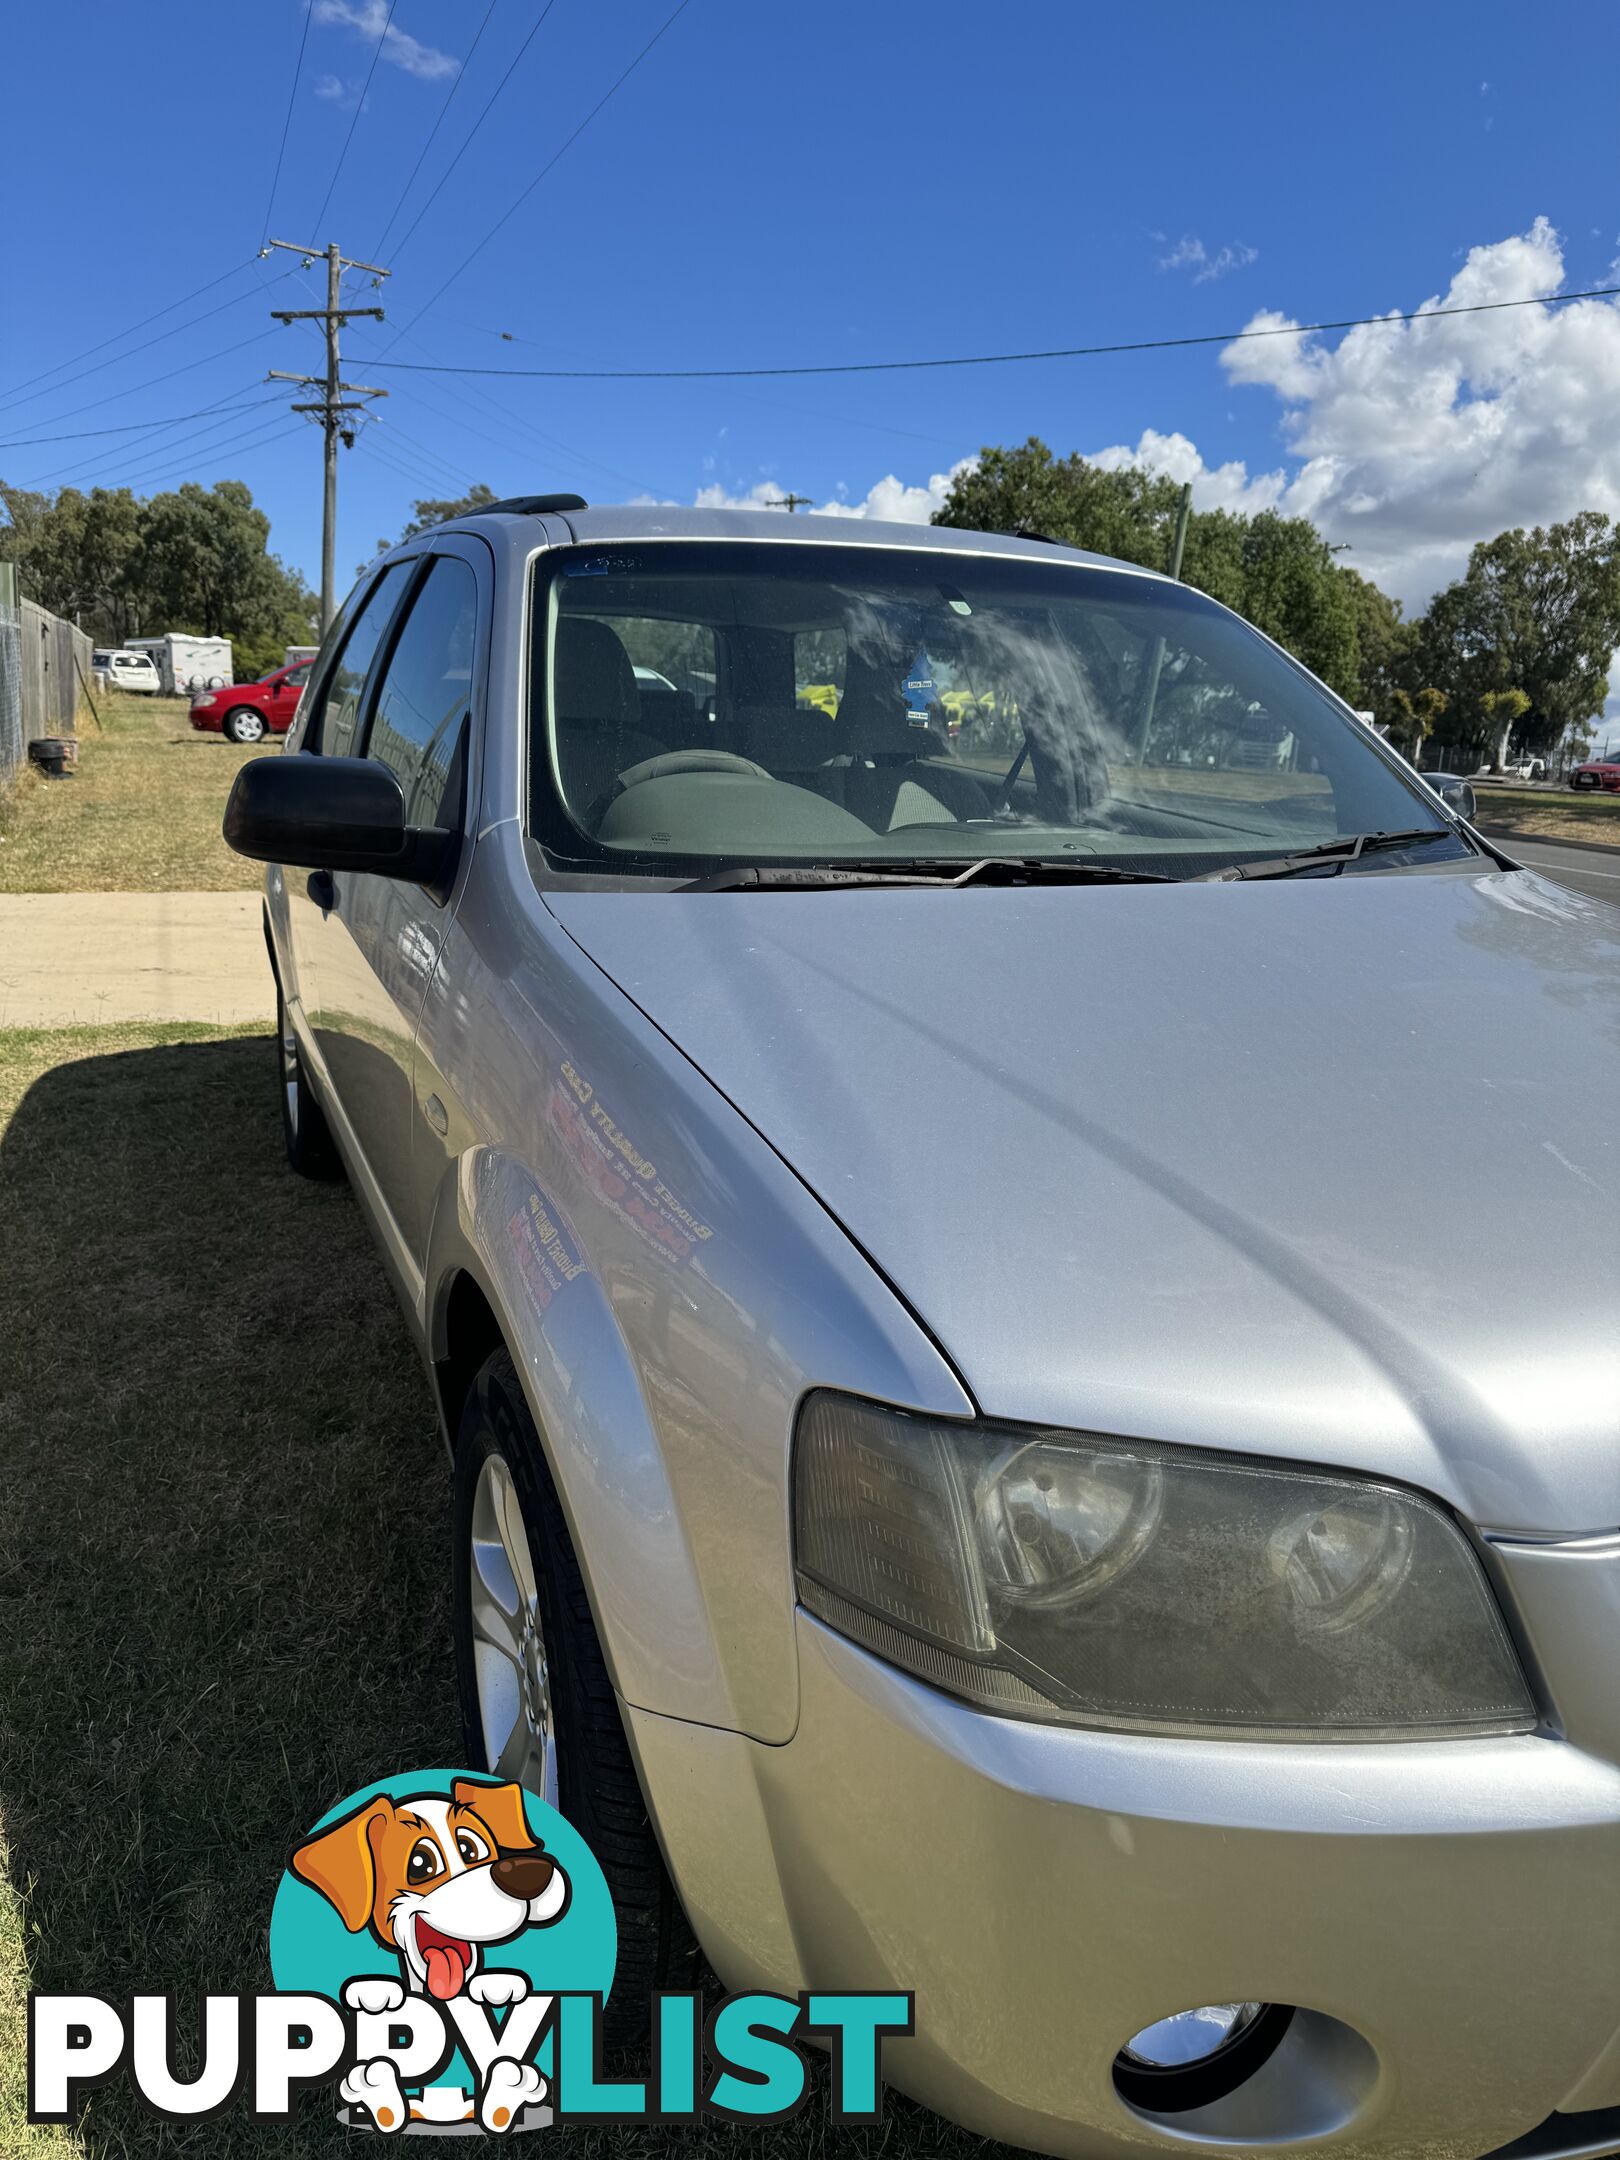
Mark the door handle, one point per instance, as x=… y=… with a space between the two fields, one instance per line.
x=322 y=890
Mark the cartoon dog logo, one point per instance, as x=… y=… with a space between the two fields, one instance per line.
x=438 y=1881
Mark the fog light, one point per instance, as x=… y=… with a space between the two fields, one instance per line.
x=1197 y=2056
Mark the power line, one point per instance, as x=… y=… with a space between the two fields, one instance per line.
x=292 y=96
x=354 y=119
x=163 y=461
x=1056 y=352
x=89 y=464
x=505 y=412
x=150 y=471
x=130 y=427
x=225 y=418
x=433 y=132
x=185 y=368
x=511 y=68
x=241 y=446
x=425 y=454
x=472 y=254
x=12 y=395
x=162 y=336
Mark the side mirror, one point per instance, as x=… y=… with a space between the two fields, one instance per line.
x=322 y=813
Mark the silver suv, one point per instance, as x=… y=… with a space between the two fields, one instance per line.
x=897 y=1074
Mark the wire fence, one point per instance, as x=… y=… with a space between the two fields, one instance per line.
x=44 y=671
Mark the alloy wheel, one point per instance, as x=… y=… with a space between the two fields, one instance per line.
x=289 y=1073
x=509 y=1649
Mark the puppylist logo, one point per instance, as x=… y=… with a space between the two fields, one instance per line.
x=441 y=1946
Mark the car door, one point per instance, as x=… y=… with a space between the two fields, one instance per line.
x=383 y=936
x=284 y=695
x=328 y=730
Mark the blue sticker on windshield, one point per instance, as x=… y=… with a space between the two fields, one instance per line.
x=918 y=688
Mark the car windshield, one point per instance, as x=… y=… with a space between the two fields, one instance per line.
x=698 y=706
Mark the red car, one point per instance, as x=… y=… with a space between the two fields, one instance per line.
x=1601 y=772
x=247 y=712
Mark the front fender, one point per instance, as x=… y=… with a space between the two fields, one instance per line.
x=497 y=1224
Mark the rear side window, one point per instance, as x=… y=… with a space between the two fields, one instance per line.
x=426 y=687
x=340 y=701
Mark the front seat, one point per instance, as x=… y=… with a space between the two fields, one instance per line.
x=885 y=784
x=596 y=713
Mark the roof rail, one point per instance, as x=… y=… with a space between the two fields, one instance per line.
x=534 y=505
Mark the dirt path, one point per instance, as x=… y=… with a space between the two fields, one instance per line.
x=76 y=959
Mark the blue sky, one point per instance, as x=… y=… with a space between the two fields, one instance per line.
x=778 y=184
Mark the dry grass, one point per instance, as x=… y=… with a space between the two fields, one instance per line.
x=1550 y=813
x=19 y=2139
x=140 y=814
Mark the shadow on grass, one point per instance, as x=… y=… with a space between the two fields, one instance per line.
x=223 y=1557
x=222 y=1528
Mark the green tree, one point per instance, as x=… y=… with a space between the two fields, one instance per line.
x=1535 y=611
x=1503 y=710
x=426 y=513
x=208 y=568
x=1129 y=514
x=1276 y=571
x=77 y=555
x=1384 y=645
x=1417 y=713
x=195 y=559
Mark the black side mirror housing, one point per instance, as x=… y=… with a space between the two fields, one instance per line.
x=321 y=813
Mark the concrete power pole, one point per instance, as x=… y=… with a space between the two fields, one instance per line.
x=331 y=404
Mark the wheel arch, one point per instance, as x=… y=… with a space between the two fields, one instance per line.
x=597 y=1440
x=469 y=1334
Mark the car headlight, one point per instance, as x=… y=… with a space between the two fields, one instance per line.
x=1119 y=1583
x=206 y=701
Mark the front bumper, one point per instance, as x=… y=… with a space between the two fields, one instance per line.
x=1446 y=1914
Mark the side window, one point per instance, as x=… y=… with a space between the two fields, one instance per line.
x=426 y=688
x=819 y=660
x=333 y=727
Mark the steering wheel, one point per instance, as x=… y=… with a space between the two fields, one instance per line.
x=670 y=762
x=665 y=765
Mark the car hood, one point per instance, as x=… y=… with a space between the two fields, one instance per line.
x=1321 y=1168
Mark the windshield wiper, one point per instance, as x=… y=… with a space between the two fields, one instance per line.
x=1328 y=857
x=930 y=870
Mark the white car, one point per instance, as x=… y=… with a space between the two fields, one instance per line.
x=128 y=671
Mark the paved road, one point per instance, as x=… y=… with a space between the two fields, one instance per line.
x=71 y=959
x=1583 y=868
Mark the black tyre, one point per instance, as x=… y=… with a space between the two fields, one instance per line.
x=311 y=1150
x=245 y=724
x=537 y=1703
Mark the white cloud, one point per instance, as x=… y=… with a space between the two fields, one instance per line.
x=1215 y=487
x=333 y=88
x=1407 y=440
x=1412 y=440
x=370 y=19
x=890 y=498
x=1190 y=253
